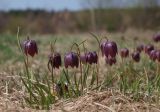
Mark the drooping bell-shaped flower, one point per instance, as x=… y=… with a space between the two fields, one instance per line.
x=55 y=60
x=152 y=55
x=95 y=60
x=148 y=48
x=158 y=55
x=124 y=52
x=83 y=58
x=102 y=47
x=140 y=48
x=109 y=48
x=30 y=47
x=71 y=59
x=136 y=56
x=156 y=37
x=91 y=57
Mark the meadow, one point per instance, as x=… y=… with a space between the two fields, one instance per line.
x=125 y=86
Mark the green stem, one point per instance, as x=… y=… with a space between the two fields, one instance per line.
x=25 y=59
x=99 y=47
x=97 y=78
x=52 y=75
x=81 y=70
x=75 y=82
x=81 y=77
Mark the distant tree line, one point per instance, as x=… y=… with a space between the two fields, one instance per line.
x=101 y=5
x=43 y=22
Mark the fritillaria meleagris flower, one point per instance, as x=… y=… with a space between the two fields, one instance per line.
x=140 y=48
x=91 y=57
x=95 y=60
x=102 y=47
x=71 y=59
x=158 y=55
x=136 y=56
x=110 y=49
x=110 y=60
x=152 y=55
x=148 y=48
x=55 y=60
x=124 y=52
x=83 y=58
x=156 y=37
x=30 y=47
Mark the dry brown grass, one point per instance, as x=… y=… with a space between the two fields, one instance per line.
x=106 y=101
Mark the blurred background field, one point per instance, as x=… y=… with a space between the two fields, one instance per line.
x=78 y=16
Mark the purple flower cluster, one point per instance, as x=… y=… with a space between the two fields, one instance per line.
x=108 y=48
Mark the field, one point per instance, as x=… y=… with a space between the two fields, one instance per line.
x=125 y=86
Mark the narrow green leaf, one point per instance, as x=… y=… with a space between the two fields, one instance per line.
x=29 y=89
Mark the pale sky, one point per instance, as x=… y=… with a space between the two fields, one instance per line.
x=54 y=4
x=40 y=4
